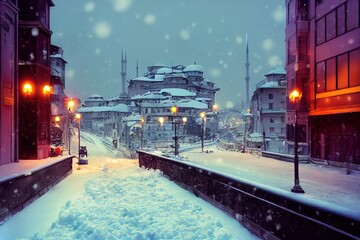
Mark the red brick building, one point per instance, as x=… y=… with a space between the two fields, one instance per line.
x=323 y=61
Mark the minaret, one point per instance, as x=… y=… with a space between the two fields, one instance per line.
x=137 y=68
x=247 y=77
x=123 y=71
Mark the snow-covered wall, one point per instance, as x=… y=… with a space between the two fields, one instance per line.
x=269 y=212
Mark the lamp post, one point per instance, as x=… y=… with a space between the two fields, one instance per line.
x=175 y=121
x=295 y=97
x=203 y=117
x=70 y=105
x=78 y=118
x=142 y=122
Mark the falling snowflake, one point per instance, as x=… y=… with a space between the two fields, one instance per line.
x=102 y=30
x=89 y=7
x=149 y=19
x=268 y=44
x=184 y=34
x=279 y=14
x=122 y=5
x=35 y=32
x=215 y=72
x=239 y=40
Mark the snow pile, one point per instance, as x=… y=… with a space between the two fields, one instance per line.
x=139 y=205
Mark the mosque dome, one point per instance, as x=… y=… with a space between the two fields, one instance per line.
x=193 y=68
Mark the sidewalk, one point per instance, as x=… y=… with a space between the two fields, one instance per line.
x=320 y=182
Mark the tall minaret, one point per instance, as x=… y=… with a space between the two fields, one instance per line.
x=137 y=67
x=123 y=72
x=247 y=77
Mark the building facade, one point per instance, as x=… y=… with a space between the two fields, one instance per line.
x=8 y=83
x=268 y=110
x=323 y=59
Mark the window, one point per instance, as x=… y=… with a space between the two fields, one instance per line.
x=271 y=105
x=320 y=77
x=292 y=50
x=331 y=74
x=354 y=74
x=271 y=96
x=271 y=120
x=282 y=119
x=272 y=130
x=352 y=18
x=320 y=31
x=341 y=20
x=291 y=11
x=342 y=70
x=330 y=25
x=302 y=48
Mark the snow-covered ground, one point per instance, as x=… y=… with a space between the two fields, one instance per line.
x=112 y=198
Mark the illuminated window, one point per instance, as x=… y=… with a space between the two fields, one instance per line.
x=320 y=77
x=354 y=75
x=331 y=74
x=342 y=71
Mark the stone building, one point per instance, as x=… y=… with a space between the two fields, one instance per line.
x=268 y=110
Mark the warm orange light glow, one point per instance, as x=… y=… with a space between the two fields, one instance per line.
x=47 y=89
x=142 y=120
x=161 y=120
x=28 y=89
x=57 y=119
x=174 y=109
x=78 y=116
x=184 y=120
x=214 y=107
x=71 y=104
x=203 y=114
x=295 y=95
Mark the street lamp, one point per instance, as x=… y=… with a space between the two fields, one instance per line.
x=142 y=122
x=70 y=105
x=203 y=117
x=78 y=118
x=295 y=97
x=175 y=121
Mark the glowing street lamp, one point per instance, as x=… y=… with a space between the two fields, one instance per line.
x=70 y=106
x=46 y=89
x=295 y=97
x=27 y=89
x=78 y=118
x=203 y=117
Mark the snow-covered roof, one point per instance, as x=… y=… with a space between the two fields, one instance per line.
x=189 y=103
x=96 y=96
x=271 y=84
x=175 y=74
x=276 y=71
x=117 y=108
x=193 y=68
x=150 y=95
x=132 y=118
x=178 y=92
x=164 y=70
x=201 y=99
x=146 y=79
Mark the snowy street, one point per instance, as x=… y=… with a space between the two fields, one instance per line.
x=112 y=198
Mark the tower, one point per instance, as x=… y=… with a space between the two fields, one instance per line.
x=137 y=68
x=247 y=77
x=123 y=72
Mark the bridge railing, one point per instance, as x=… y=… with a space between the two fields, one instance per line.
x=269 y=212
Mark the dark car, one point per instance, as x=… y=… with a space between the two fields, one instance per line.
x=83 y=151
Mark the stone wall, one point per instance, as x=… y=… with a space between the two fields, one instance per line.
x=18 y=192
x=268 y=212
